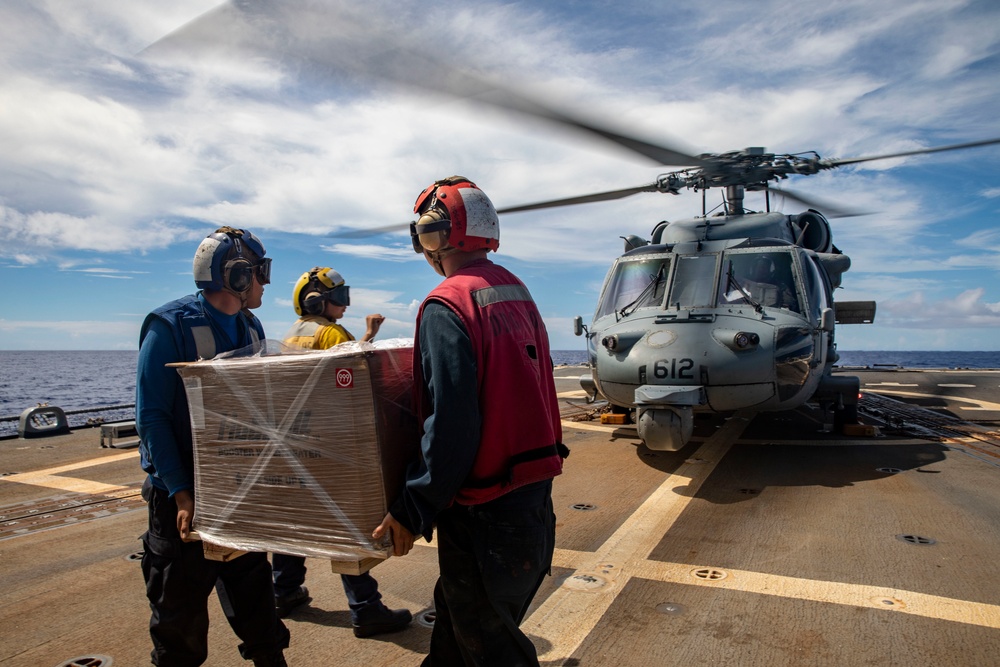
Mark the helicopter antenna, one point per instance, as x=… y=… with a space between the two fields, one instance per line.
x=802 y=234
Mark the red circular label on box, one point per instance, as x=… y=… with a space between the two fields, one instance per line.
x=345 y=378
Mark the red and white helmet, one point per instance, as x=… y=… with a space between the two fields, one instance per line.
x=454 y=213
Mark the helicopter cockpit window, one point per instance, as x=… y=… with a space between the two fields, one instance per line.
x=694 y=282
x=635 y=284
x=760 y=279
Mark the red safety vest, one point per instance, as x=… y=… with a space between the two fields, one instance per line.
x=521 y=435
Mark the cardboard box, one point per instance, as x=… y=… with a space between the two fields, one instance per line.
x=302 y=453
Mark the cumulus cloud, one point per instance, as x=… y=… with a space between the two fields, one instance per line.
x=114 y=153
x=964 y=310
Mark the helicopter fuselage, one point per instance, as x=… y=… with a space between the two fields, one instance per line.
x=701 y=320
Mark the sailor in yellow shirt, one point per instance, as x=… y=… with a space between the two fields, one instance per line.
x=320 y=298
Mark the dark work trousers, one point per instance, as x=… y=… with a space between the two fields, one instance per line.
x=493 y=557
x=179 y=580
x=290 y=573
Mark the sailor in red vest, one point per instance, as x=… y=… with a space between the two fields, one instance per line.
x=491 y=440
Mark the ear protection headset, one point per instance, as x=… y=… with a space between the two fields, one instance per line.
x=238 y=272
x=431 y=230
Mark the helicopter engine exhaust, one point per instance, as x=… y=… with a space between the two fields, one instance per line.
x=666 y=429
x=813 y=231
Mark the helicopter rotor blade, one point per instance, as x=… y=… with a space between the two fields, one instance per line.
x=938 y=149
x=828 y=209
x=371 y=231
x=334 y=42
x=568 y=201
x=582 y=199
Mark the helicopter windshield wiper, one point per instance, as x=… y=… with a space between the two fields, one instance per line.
x=733 y=283
x=650 y=288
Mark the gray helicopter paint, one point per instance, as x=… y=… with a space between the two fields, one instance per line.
x=685 y=325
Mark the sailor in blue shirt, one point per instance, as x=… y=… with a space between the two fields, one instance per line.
x=230 y=269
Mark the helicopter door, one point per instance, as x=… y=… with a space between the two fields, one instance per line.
x=694 y=282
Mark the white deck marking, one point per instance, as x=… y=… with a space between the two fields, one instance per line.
x=889 y=384
x=607 y=428
x=982 y=405
x=833 y=592
x=577 y=393
x=572 y=612
x=50 y=478
x=569 y=615
x=959 y=386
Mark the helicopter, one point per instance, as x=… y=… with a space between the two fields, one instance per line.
x=716 y=313
x=728 y=311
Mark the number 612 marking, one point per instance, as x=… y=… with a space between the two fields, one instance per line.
x=674 y=369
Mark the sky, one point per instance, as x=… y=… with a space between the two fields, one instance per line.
x=127 y=139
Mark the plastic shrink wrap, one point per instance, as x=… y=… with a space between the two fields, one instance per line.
x=302 y=452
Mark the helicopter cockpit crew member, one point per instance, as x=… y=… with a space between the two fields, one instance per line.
x=765 y=278
x=481 y=355
x=769 y=285
x=231 y=270
x=320 y=298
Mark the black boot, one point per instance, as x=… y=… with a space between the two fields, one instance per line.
x=377 y=619
x=277 y=660
x=286 y=603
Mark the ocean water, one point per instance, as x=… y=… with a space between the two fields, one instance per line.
x=77 y=380
x=91 y=381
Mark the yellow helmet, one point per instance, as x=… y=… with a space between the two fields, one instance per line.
x=315 y=287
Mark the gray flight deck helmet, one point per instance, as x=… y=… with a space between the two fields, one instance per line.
x=227 y=260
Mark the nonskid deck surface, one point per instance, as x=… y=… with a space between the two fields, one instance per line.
x=767 y=540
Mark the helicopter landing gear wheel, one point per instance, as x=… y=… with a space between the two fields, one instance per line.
x=845 y=415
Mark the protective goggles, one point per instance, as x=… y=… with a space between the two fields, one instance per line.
x=339 y=296
x=263 y=268
x=336 y=291
x=240 y=273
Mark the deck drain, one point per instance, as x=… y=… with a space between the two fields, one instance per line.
x=137 y=556
x=670 y=608
x=708 y=574
x=88 y=661
x=427 y=617
x=888 y=471
x=749 y=492
x=917 y=540
x=583 y=507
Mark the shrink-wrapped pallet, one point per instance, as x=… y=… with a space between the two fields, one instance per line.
x=302 y=452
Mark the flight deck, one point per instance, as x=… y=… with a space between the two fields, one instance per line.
x=768 y=539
